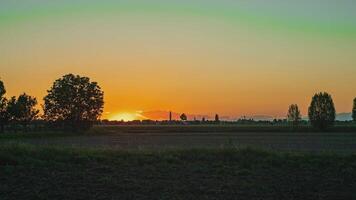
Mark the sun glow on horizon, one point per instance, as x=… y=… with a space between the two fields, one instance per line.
x=126 y=116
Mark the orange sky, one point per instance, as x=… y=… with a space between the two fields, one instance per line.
x=201 y=61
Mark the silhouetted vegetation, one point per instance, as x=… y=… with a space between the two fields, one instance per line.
x=74 y=102
x=183 y=117
x=22 y=110
x=294 y=115
x=217 y=119
x=241 y=125
x=4 y=117
x=322 y=111
x=354 y=111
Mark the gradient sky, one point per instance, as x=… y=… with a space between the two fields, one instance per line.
x=232 y=57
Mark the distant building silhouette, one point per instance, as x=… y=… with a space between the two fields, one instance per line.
x=170 y=116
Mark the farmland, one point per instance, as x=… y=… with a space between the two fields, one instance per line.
x=185 y=137
x=33 y=172
x=150 y=162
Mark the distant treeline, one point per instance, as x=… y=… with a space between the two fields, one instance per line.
x=75 y=103
x=274 y=122
x=321 y=113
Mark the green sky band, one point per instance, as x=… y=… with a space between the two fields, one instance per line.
x=227 y=15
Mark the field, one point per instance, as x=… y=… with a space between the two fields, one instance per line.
x=185 y=137
x=150 y=162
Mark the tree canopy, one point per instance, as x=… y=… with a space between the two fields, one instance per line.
x=183 y=117
x=354 y=111
x=217 y=119
x=23 y=109
x=322 y=111
x=3 y=107
x=293 y=115
x=2 y=89
x=74 y=100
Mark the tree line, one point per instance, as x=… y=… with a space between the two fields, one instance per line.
x=321 y=112
x=76 y=103
x=73 y=102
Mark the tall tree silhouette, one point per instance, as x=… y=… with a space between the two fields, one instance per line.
x=354 y=111
x=23 y=109
x=217 y=119
x=293 y=115
x=75 y=101
x=3 y=107
x=322 y=111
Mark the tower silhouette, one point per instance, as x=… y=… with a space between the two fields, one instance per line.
x=170 y=116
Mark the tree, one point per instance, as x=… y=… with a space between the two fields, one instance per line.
x=354 y=111
x=4 y=117
x=183 y=117
x=294 y=115
x=322 y=111
x=2 y=90
x=74 y=101
x=217 y=119
x=23 y=109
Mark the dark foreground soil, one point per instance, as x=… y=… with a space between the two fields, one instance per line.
x=37 y=172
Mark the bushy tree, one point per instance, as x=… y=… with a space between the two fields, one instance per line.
x=294 y=115
x=354 y=111
x=2 y=90
x=322 y=111
x=4 y=117
x=183 y=117
x=74 y=101
x=23 y=109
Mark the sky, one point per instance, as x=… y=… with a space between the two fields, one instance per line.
x=232 y=57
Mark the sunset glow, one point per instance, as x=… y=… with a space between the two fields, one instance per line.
x=177 y=99
x=126 y=116
x=234 y=58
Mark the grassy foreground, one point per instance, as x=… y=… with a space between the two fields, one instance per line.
x=30 y=172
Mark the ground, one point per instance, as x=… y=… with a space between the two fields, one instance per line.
x=185 y=137
x=195 y=165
